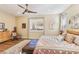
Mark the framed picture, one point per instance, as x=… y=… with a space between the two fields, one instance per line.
x=36 y=24
x=2 y=26
x=23 y=25
x=74 y=22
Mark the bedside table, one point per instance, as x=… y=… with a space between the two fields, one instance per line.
x=29 y=48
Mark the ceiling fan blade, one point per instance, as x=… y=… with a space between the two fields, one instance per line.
x=24 y=12
x=31 y=11
x=26 y=9
x=21 y=6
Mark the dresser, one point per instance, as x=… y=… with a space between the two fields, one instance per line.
x=4 y=36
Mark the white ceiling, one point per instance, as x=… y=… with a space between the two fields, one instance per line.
x=39 y=8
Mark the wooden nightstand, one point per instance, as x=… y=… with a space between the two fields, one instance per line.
x=29 y=48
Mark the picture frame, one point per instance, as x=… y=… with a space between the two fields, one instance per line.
x=23 y=25
x=2 y=26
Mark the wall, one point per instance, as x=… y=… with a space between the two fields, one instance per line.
x=72 y=10
x=8 y=19
x=52 y=19
x=19 y=21
x=47 y=20
x=25 y=32
x=11 y=21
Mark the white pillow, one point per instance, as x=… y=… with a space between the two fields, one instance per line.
x=76 y=41
x=60 y=38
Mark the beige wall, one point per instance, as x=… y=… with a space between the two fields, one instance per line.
x=10 y=22
x=19 y=21
x=72 y=10
x=25 y=32
x=52 y=19
x=8 y=19
x=47 y=20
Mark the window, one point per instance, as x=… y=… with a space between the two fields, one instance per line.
x=64 y=22
x=36 y=24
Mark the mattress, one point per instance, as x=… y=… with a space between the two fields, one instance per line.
x=50 y=43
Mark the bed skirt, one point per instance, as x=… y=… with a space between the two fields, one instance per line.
x=51 y=51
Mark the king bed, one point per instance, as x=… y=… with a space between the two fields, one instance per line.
x=57 y=45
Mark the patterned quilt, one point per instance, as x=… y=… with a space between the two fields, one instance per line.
x=51 y=46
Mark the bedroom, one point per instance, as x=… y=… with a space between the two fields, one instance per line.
x=49 y=24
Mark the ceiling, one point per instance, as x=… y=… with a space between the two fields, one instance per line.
x=39 y=8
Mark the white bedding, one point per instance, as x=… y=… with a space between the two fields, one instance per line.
x=50 y=42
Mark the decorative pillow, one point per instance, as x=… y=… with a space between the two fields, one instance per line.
x=64 y=33
x=76 y=41
x=69 y=38
x=60 y=38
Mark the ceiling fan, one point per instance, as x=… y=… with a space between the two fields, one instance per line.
x=26 y=10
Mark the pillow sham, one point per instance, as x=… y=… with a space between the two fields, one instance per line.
x=69 y=38
x=60 y=38
x=76 y=41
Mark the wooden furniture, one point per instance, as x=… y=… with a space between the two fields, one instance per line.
x=73 y=31
x=4 y=36
x=29 y=48
x=13 y=46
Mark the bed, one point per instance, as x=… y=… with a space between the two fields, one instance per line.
x=50 y=45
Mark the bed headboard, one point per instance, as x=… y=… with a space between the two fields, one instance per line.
x=73 y=31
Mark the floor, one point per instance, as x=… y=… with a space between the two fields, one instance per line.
x=5 y=45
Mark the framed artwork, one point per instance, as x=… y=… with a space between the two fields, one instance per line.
x=2 y=26
x=36 y=24
x=23 y=25
x=74 y=22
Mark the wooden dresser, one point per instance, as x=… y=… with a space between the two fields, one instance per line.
x=73 y=31
x=4 y=36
